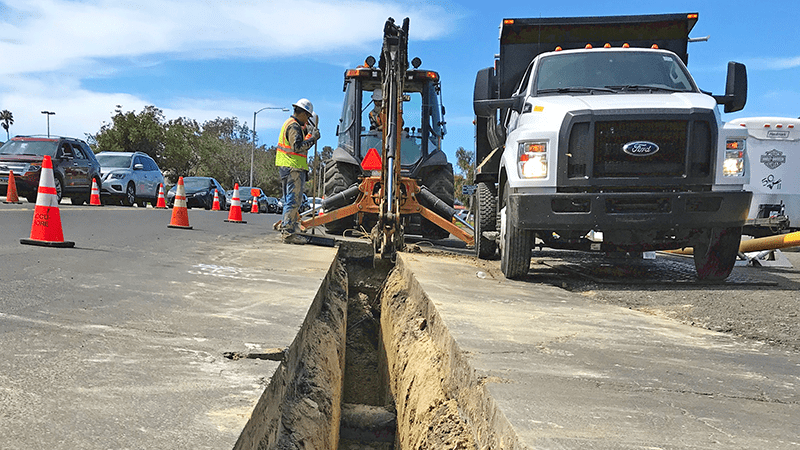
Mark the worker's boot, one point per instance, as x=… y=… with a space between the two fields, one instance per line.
x=295 y=238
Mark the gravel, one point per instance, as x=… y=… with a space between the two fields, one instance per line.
x=760 y=303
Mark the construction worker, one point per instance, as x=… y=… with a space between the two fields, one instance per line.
x=298 y=134
x=375 y=122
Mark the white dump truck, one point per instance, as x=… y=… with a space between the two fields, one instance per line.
x=773 y=149
x=592 y=135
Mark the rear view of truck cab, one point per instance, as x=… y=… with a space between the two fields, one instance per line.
x=607 y=144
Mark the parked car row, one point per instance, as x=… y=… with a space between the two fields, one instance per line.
x=125 y=178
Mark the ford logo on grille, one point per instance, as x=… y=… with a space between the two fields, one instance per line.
x=640 y=148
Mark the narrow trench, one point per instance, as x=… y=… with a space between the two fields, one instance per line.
x=369 y=416
x=337 y=383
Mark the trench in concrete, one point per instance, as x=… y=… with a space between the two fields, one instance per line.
x=374 y=367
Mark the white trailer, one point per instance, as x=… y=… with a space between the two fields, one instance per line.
x=773 y=160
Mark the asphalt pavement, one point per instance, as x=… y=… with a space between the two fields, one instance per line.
x=118 y=343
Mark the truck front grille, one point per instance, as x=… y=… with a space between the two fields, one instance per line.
x=595 y=149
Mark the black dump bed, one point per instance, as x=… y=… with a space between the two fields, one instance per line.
x=522 y=39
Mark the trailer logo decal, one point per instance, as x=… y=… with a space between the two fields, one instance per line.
x=640 y=148
x=773 y=158
x=770 y=182
x=777 y=134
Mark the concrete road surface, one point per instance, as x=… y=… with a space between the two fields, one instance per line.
x=570 y=373
x=118 y=343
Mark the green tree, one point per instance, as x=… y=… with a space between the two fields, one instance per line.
x=132 y=132
x=6 y=120
x=182 y=149
x=466 y=172
x=225 y=151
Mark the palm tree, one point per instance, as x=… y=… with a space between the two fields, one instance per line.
x=7 y=120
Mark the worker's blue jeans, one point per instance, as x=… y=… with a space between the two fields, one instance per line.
x=293 y=181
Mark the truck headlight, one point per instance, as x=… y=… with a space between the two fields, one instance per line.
x=733 y=166
x=532 y=159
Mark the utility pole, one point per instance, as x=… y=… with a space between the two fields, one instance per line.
x=253 y=150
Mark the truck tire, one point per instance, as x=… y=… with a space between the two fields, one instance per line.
x=515 y=243
x=485 y=219
x=441 y=183
x=338 y=177
x=715 y=254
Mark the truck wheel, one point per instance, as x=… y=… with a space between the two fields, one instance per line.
x=485 y=219
x=441 y=183
x=338 y=177
x=715 y=254
x=515 y=243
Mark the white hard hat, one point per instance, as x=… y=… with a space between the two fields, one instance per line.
x=305 y=105
x=377 y=95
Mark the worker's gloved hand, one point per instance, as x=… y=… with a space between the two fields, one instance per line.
x=314 y=133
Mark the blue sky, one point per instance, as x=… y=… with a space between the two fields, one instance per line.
x=216 y=58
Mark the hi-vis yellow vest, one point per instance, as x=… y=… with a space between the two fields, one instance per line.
x=286 y=156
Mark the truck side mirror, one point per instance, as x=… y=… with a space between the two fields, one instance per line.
x=735 y=88
x=484 y=85
x=487 y=108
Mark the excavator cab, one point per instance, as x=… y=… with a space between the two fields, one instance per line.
x=422 y=129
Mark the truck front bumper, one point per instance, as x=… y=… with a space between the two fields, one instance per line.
x=668 y=219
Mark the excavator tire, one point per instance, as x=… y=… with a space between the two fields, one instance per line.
x=439 y=180
x=338 y=177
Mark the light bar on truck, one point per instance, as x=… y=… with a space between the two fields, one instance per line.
x=532 y=160
x=733 y=166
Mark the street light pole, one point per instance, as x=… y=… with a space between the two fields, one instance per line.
x=48 y=114
x=253 y=150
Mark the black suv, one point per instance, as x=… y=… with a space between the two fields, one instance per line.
x=74 y=166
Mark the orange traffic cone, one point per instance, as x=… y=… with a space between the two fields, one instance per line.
x=11 y=191
x=180 y=214
x=235 y=214
x=215 y=206
x=46 y=228
x=254 y=201
x=94 y=200
x=161 y=203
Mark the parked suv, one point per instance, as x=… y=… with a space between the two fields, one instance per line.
x=74 y=166
x=129 y=177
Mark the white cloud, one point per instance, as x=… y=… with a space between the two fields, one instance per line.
x=47 y=35
x=774 y=63
x=50 y=46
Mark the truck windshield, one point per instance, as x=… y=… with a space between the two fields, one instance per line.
x=611 y=71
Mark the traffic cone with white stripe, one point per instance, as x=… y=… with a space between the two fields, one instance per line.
x=161 y=203
x=254 y=201
x=46 y=228
x=94 y=200
x=215 y=206
x=235 y=214
x=180 y=213
x=11 y=191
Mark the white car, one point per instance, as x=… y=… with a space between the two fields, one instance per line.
x=129 y=177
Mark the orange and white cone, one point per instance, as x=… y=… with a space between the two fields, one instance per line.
x=46 y=228
x=254 y=201
x=180 y=213
x=11 y=191
x=215 y=206
x=94 y=200
x=235 y=214
x=161 y=203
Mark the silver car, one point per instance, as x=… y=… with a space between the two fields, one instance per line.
x=129 y=178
